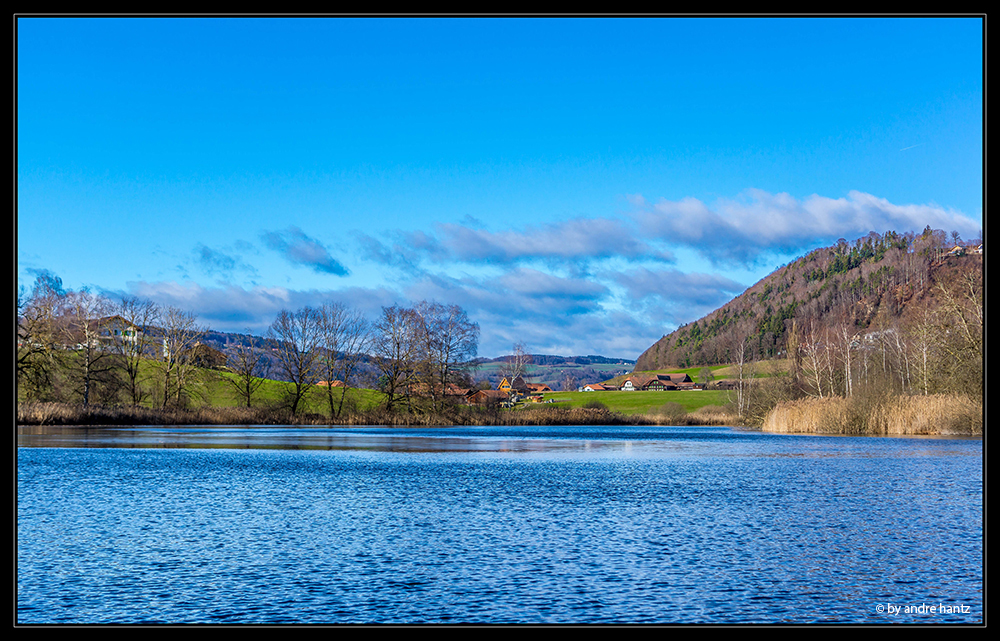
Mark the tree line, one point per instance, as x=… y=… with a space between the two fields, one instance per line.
x=84 y=348
x=420 y=355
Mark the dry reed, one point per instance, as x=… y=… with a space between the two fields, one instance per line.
x=938 y=414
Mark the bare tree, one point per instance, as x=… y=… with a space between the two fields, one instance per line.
x=296 y=339
x=816 y=356
x=395 y=348
x=846 y=341
x=746 y=367
x=38 y=331
x=249 y=366
x=517 y=363
x=960 y=335
x=449 y=342
x=180 y=334
x=794 y=353
x=87 y=314
x=129 y=333
x=900 y=351
x=345 y=336
x=964 y=304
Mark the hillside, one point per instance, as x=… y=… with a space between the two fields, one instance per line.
x=880 y=285
x=558 y=372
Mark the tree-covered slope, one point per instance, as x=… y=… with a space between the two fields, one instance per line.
x=881 y=283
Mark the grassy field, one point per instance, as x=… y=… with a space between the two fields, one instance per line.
x=641 y=402
x=215 y=392
x=219 y=393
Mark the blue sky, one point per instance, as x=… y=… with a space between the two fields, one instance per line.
x=581 y=185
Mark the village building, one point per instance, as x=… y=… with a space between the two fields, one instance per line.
x=488 y=397
x=116 y=328
x=658 y=382
x=516 y=384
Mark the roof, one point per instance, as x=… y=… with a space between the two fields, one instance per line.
x=487 y=395
x=519 y=384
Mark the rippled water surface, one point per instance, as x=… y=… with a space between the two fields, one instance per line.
x=495 y=525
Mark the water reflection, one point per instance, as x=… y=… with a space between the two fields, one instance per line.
x=633 y=441
x=428 y=440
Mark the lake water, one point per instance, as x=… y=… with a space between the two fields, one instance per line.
x=495 y=525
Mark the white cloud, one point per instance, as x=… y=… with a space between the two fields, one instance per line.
x=577 y=239
x=740 y=230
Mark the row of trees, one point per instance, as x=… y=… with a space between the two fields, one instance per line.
x=79 y=346
x=418 y=352
x=82 y=347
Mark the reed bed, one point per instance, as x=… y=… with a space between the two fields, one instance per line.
x=936 y=414
x=65 y=414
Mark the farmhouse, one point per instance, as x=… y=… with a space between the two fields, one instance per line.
x=657 y=382
x=515 y=385
x=679 y=379
x=488 y=397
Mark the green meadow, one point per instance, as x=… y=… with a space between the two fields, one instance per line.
x=641 y=402
x=218 y=393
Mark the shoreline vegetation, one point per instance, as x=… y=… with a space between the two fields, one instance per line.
x=51 y=413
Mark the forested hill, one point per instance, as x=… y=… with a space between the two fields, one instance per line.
x=886 y=283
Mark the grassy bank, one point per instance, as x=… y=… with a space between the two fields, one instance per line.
x=936 y=414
